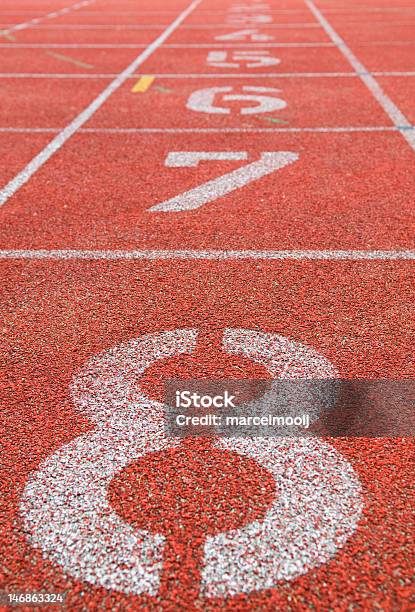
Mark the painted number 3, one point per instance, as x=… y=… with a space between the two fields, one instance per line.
x=65 y=504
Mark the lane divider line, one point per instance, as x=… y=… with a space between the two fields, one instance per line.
x=203 y=12
x=307 y=255
x=394 y=113
x=160 y=26
x=321 y=130
x=205 y=75
x=143 y=84
x=33 y=22
x=66 y=133
x=172 y=46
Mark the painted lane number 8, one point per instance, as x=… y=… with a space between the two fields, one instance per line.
x=68 y=515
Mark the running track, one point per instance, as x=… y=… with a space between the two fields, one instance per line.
x=212 y=189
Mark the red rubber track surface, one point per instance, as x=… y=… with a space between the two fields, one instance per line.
x=351 y=189
x=321 y=201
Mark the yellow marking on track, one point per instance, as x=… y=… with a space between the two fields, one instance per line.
x=65 y=58
x=143 y=84
x=7 y=35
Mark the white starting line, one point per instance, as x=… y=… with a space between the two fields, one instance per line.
x=203 y=75
x=230 y=130
x=351 y=10
x=308 y=255
x=33 y=24
x=254 y=45
x=161 y=26
x=166 y=46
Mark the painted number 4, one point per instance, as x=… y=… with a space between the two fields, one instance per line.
x=269 y=162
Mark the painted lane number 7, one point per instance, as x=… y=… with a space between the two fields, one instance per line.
x=269 y=162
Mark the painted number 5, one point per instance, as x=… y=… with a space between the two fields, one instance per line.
x=269 y=162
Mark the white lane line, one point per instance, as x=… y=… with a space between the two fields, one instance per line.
x=160 y=26
x=394 y=113
x=37 y=162
x=23 y=130
x=36 y=20
x=172 y=46
x=404 y=74
x=222 y=45
x=370 y=9
x=383 y=43
x=237 y=130
x=287 y=45
x=74 y=46
x=327 y=255
x=352 y=22
x=201 y=12
x=86 y=26
x=203 y=75
x=322 y=130
x=355 y=9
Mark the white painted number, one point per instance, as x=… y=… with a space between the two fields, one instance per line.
x=252 y=58
x=245 y=35
x=204 y=100
x=269 y=162
x=65 y=506
x=236 y=8
x=241 y=20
